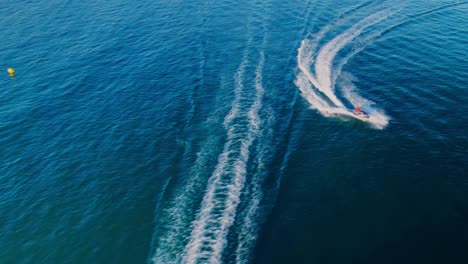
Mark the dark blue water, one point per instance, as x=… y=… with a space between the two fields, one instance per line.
x=223 y=132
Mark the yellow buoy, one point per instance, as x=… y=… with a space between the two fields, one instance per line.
x=11 y=71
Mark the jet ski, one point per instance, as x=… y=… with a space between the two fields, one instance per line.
x=358 y=112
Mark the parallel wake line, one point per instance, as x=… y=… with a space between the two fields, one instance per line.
x=209 y=234
x=248 y=232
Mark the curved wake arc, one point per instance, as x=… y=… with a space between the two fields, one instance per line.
x=318 y=86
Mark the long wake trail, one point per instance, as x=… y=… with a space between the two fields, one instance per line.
x=222 y=197
x=248 y=232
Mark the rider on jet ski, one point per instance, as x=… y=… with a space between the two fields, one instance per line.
x=358 y=111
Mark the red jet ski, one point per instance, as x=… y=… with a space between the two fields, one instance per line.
x=358 y=112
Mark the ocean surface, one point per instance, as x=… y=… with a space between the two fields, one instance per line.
x=222 y=131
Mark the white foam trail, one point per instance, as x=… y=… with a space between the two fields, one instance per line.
x=355 y=50
x=325 y=74
x=326 y=55
x=316 y=38
x=248 y=233
x=172 y=242
x=200 y=241
x=218 y=210
x=316 y=102
x=177 y=214
x=377 y=117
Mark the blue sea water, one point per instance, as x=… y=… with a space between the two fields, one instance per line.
x=223 y=132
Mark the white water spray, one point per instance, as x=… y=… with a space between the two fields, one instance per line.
x=318 y=88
